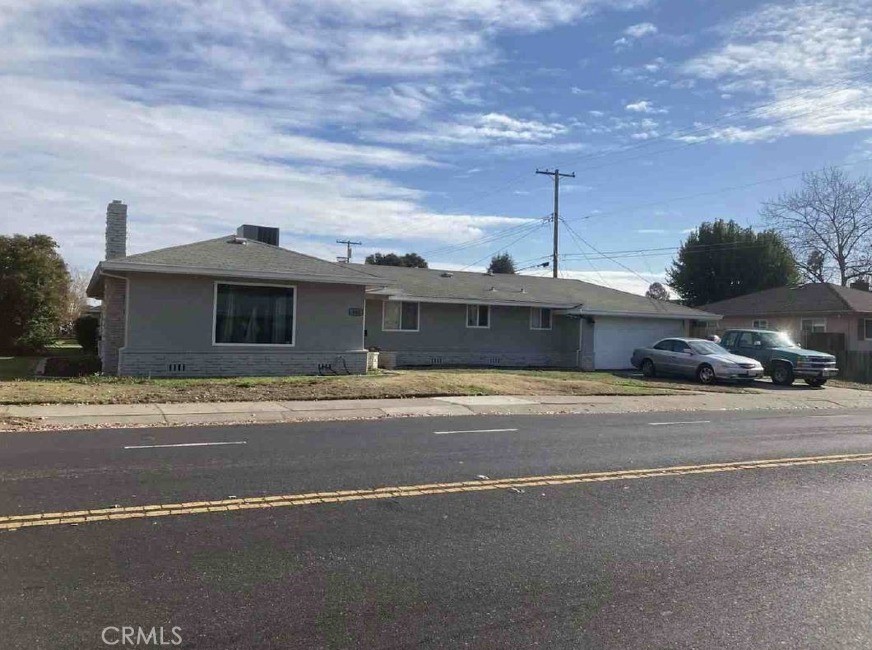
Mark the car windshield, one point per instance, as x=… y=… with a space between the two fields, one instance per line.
x=777 y=340
x=707 y=347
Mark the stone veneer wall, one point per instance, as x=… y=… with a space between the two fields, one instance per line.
x=112 y=328
x=254 y=363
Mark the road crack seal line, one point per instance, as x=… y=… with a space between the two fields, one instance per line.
x=15 y=522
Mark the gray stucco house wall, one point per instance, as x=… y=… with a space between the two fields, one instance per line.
x=443 y=338
x=170 y=330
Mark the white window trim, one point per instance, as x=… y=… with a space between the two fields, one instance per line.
x=252 y=345
x=400 y=302
x=813 y=320
x=754 y=323
x=865 y=321
x=477 y=308
x=550 y=319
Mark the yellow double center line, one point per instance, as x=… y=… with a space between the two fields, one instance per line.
x=15 y=522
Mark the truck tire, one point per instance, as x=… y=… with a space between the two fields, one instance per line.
x=782 y=373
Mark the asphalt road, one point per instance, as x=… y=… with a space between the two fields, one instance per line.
x=735 y=557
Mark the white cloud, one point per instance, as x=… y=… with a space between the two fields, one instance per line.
x=795 y=56
x=205 y=114
x=641 y=30
x=486 y=128
x=644 y=106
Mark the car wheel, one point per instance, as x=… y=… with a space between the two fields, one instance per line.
x=705 y=374
x=816 y=382
x=648 y=368
x=782 y=374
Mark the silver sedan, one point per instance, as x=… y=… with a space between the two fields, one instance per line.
x=704 y=360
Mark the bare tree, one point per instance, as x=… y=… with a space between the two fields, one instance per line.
x=827 y=223
x=76 y=299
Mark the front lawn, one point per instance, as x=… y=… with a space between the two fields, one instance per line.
x=384 y=384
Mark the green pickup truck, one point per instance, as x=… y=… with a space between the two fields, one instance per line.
x=782 y=359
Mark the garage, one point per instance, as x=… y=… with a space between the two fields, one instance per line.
x=614 y=339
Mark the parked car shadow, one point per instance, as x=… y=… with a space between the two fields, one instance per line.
x=764 y=384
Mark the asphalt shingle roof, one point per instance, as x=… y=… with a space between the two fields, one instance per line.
x=463 y=286
x=225 y=254
x=808 y=299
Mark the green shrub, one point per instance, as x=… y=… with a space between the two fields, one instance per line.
x=86 y=330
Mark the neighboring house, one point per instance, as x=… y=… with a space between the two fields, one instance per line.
x=241 y=305
x=820 y=307
x=429 y=317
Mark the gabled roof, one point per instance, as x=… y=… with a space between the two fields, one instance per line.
x=434 y=285
x=234 y=256
x=818 y=298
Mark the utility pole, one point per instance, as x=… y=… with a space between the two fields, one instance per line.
x=348 y=244
x=557 y=176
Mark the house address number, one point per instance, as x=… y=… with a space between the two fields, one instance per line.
x=355 y=311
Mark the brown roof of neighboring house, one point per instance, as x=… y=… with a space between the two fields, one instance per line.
x=820 y=298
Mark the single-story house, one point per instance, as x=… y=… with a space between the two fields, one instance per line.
x=818 y=307
x=430 y=317
x=242 y=305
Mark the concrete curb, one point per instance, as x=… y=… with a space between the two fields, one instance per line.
x=82 y=415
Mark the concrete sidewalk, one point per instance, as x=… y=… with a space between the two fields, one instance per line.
x=61 y=415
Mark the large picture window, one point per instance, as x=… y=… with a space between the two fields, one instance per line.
x=540 y=318
x=254 y=315
x=400 y=317
x=478 y=316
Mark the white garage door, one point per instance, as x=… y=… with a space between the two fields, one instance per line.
x=614 y=339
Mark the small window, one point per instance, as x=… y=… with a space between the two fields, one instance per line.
x=867 y=326
x=254 y=315
x=478 y=316
x=400 y=317
x=761 y=324
x=813 y=324
x=665 y=345
x=540 y=318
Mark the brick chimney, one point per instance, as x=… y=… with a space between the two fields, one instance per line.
x=116 y=230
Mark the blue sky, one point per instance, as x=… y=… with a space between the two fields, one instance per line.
x=418 y=126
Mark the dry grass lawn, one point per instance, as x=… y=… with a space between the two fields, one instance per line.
x=393 y=384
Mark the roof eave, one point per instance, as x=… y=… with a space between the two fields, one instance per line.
x=399 y=297
x=228 y=273
x=587 y=311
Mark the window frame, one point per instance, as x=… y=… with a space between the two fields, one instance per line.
x=866 y=323
x=813 y=320
x=756 y=324
x=550 y=311
x=478 y=309
x=215 y=342
x=401 y=303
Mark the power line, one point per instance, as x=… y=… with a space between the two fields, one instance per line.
x=722 y=190
x=592 y=247
x=524 y=234
x=484 y=239
x=783 y=103
x=590 y=263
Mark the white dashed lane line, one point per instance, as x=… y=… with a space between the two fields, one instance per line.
x=187 y=444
